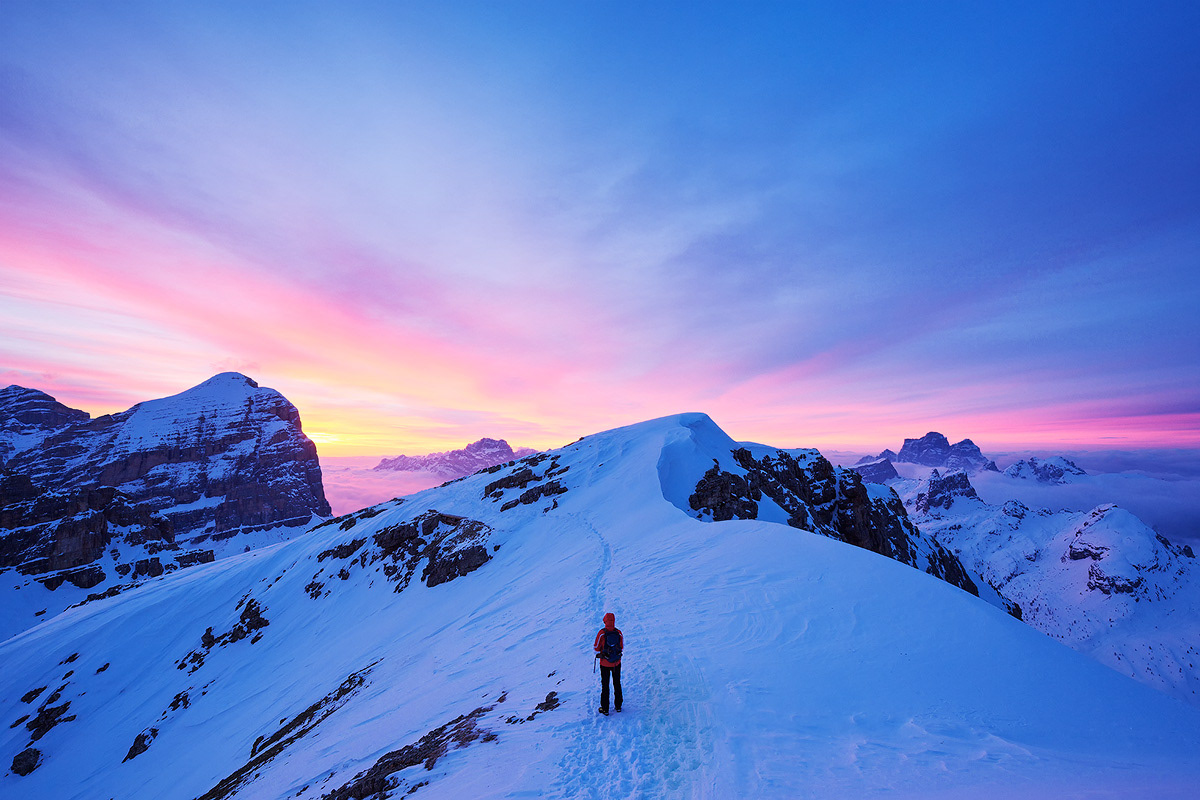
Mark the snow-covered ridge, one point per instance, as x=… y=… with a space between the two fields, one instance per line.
x=431 y=644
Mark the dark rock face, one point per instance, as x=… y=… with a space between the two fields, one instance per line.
x=458 y=463
x=934 y=450
x=26 y=761
x=943 y=491
x=141 y=743
x=221 y=457
x=545 y=485
x=451 y=546
x=876 y=470
x=818 y=497
x=725 y=496
x=45 y=531
x=28 y=416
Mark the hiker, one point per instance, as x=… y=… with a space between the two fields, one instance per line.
x=609 y=644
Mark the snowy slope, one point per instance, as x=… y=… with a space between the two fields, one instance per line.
x=1099 y=580
x=442 y=643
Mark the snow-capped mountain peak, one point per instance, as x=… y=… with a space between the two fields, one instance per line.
x=478 y=455
x=1055 y=469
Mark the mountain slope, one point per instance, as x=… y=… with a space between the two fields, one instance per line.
x=1100 y=580
x=28 y=416
x=88 y=507
x=221 y=456
x=442 y=644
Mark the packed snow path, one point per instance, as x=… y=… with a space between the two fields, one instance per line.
x=655 y=745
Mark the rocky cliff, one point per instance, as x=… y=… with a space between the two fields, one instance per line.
x=28 y=416
x=1099 y=580
x=816 y=496
x=222 y=457
x=98 y=504
x=934 y=450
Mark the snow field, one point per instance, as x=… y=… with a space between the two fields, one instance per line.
x=760 y=661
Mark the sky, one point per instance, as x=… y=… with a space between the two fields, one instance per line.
x=424 y=223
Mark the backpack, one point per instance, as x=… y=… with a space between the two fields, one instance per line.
x=610 y=651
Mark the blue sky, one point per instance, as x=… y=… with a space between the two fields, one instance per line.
x=822 y=224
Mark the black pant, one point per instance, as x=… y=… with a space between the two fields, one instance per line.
x=616 y=679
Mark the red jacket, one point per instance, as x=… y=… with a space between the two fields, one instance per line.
x=600 y=645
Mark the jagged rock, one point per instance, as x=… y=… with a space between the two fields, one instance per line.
x=450 y=546
x=141 y=743
x=28 y=416
x=934 y=450
x=147 y=568
x=378 y=781
x=725 y=496
x=483 y=454
x=27 y=760
x=1055 y=470
x=44 y=531
x=941 y=492
x=876 y=470
x=818 y=497
x=195 y=557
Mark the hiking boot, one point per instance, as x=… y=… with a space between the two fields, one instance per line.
x=618 y=708
x=604 y=711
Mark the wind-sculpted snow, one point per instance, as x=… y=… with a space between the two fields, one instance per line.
x=760 y=661
x=1100 y=580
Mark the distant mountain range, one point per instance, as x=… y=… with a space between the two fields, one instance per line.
x=458 y=463
x=934 y=450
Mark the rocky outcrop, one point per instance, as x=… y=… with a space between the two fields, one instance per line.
x=876 y=470
x=47 y=532
x=1053 y=470
x=222 y=457
x=28 y=416
x=934 y=450
x=941 y=492
x=457 y=463
x=449 y=546
x=818 y=497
